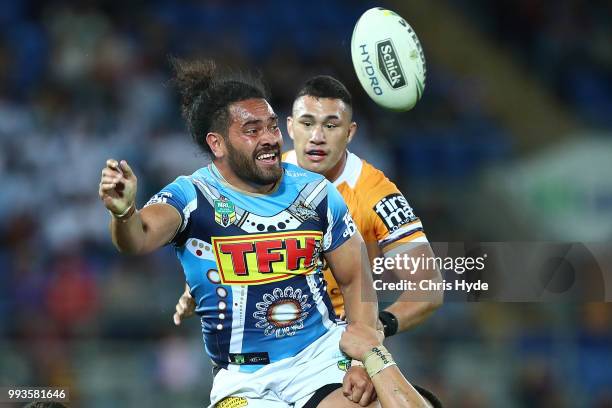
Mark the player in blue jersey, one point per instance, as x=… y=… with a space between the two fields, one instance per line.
x=249 y=233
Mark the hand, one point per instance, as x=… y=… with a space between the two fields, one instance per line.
x=358 y=339
x=358 y=387
x=117 y=186
x=185 y=308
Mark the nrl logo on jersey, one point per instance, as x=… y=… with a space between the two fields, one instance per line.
x=225 y=212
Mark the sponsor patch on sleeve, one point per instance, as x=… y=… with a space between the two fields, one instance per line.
x=159 y=198
x=394 y=211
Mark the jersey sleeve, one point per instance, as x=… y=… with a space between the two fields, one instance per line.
x=391 y=217
x=340 y=225
x=181 y=195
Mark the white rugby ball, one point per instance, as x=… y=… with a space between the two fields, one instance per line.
x=388 y=59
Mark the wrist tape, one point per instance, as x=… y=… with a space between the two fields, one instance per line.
x=377 y=359
x=126 y=214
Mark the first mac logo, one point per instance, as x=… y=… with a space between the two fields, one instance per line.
x=389 y=64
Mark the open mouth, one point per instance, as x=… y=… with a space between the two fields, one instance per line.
x=316 y=155
x=267 y=158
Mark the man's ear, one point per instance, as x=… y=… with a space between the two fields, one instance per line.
x=352 y=131
x=216 y=142
x=290 y=126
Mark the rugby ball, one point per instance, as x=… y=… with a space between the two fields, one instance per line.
x=388 y=59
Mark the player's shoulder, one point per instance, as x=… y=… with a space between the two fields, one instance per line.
x=297 y=175
x=373 y=184
x=186 y=181
x=371 y=176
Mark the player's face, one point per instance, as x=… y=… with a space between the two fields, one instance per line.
x=321 y=128
x=254 y=142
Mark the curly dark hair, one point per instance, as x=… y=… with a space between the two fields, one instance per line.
x=206 y=94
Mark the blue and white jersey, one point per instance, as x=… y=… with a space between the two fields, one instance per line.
x=253 y=262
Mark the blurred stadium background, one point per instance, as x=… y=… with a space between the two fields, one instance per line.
x=512 y=141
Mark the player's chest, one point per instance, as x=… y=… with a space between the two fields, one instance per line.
x=251 y=248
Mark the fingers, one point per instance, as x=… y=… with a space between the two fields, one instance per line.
x=366 y=397
x=127 y=170
x=178 y=315
x=110 y=180
x=360 y=386
x=355 y=384
x=112 y=164
x=184 y=308
x=115 y=167
x=357 y=394
x=111 y=173
x=114 y=176
x=346 y=387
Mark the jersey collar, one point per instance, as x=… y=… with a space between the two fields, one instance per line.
x=350 y=174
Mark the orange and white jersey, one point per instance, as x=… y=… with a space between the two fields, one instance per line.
x=381 y=212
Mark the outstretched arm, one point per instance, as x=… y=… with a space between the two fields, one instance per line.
x=134 y=231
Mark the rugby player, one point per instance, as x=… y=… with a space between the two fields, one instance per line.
x=249 y=233
x=321 y=127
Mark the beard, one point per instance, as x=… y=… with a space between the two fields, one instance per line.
x=247 y=169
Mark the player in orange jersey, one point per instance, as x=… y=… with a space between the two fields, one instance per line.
x=321 y=127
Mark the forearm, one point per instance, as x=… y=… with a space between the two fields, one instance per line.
x=128 y=235
x=410 y=314
x=415 y=305
x=394 y=391
x=360 y=302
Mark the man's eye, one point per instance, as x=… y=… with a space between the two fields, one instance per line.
x=331 y=126
x=274 y=128
x=307 y=124
x=250 y=131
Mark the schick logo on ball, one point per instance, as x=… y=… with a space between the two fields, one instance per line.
x=389 y=64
